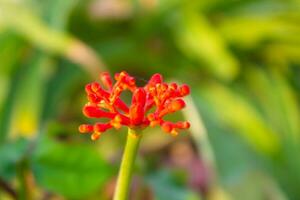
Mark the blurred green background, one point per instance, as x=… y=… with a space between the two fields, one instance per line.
x=240 y=57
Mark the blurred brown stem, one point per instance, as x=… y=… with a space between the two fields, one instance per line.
x=8 y=189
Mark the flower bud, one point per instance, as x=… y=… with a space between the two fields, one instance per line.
x=106 y=80
x=184 y=90
x=85 y=128
x=95 y=112
x=137 y=109
x=176 y=105
x=95 y=135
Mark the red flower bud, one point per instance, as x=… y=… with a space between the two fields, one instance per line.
x=173 y=86
x=156 y=78
x=184 y=90
x=93 y=98
x=137 y=109
x=95 y=86
x=88 y=88
x=167 y=127
x=98 y=127
x=106 y=80
x=95 y=112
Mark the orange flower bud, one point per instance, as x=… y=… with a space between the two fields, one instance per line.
x=85 y=128
x=167 y=127
x=95 y=135
x=176 y=105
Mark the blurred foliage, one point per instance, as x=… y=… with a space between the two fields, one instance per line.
x=240 y=57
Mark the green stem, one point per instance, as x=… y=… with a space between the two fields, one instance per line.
x=24 y=190
x=125 y=172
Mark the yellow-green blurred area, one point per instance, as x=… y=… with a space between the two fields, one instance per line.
x=241 y=59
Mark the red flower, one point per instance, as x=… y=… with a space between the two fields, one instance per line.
x=106 y=103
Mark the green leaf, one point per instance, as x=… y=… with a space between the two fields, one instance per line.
x=10 y=155
x=31 y=27
x=201 y=42
x=278 y=101
x=234 y=156
x=72 y=170
x=235 y=111
x=59 y=88
x=164 y=187
x=29 y=96
x=56 y=12
x=254 y=185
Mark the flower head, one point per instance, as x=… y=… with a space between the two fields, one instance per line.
x=104 y=102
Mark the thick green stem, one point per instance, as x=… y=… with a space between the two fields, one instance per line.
x=125 y=172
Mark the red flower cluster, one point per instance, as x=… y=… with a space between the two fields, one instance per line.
x=106 y=103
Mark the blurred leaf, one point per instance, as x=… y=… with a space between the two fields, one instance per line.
x=32 y=27
x=263 y=28
x=280 y=105
x=10 y=155
x=283 y=54
x=6 y=110
x=199 y=134
x=278 y=101
x=164 y=188
x=237 y=113
x=4 y=85
x=35 y=30
x=255 y=185
x=56 y=12
x=59 y=88
x=72 y=170
x=29 y=97
x=234 y=157
x=198 y=40
x=11 y=49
